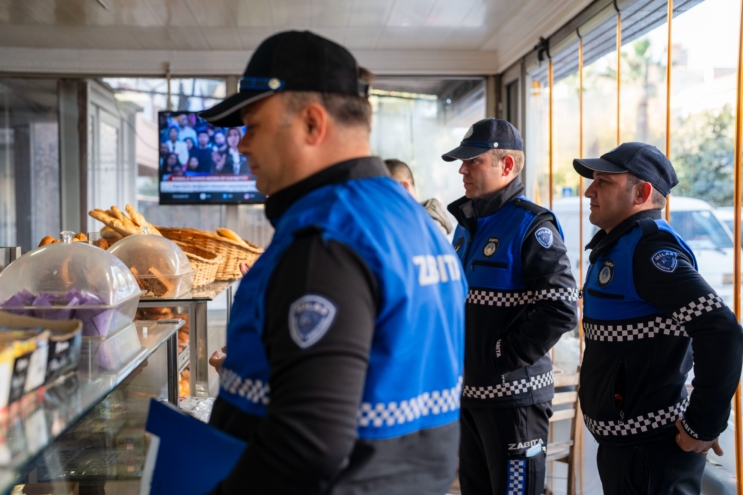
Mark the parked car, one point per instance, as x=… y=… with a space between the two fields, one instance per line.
x=696 y=221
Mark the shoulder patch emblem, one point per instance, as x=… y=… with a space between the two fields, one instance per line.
x=458 y=244
x=665 y=260
x=606 y=274
x=310 y=317
x=491 y=247
x=544 y=237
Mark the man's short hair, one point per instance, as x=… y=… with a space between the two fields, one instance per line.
x=399 y=170
x=347 y=110
x=656 y=197
x=518 y=158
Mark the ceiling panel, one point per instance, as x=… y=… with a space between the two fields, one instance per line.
x=369 y=14
x=401 y=38
x=253 y=13
x=290 y=14
x=361 y=37
x=503 y=29
x=410 y=13
x=330 y=13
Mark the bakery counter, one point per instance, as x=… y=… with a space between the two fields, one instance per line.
x=191 y=306
x=103 y=405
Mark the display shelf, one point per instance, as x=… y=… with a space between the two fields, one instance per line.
x=196 y=304
x=183 y=359
x=66 y=402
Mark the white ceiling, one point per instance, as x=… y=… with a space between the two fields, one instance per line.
x=209 y=36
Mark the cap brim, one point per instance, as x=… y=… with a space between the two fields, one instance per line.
x=464 y=153
x=226 y=113
x=587 y=166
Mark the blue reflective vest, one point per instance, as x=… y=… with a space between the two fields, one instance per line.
x=414 y=377
x=609 y=292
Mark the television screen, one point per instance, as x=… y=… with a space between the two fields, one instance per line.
x=200 y=164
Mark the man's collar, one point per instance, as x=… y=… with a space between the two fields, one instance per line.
x=467 y=211
x=356 y=168
x=602 y=241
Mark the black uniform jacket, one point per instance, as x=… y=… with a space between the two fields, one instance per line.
x=656 y=368
x=506 y=362
x=297 y=449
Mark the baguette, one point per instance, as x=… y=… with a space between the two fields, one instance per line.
x=141 y=221
x=229 y=234
x=124 y=219
x=114 y=223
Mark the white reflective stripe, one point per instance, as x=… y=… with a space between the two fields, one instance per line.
x=696 y=308
x=397 y=413
x=506 y=299
x=253 y=390
x=509 y=388
x=640 y=424
x=634 y=331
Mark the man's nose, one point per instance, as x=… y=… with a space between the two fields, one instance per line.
x=463 y=169
x=590 y=192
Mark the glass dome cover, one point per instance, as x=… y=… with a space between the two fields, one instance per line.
x=59 y=268
x=158 y=264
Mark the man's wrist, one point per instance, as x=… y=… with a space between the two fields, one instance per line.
x=693 y=432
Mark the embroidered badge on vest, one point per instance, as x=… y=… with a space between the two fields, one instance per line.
x=606 y=273
x=665 y=261
x=544 y=237
x=310 y=318
x=458 y=244
x=491 y=247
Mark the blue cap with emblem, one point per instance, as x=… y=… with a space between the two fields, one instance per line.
x=644 y=161
x=487 y=134
x=291 y=61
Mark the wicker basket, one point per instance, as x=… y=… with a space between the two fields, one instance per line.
x=204 y=263
x=233 y=253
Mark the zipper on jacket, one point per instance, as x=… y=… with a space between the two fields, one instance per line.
x=604 y=295
x=503 y=380
x=620 y=390
x=490 y=264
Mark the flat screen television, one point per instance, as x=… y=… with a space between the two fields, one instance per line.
x=200 y=164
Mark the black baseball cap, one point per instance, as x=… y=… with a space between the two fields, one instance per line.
x=487 y=134
x=644 y=161
x=290 y=61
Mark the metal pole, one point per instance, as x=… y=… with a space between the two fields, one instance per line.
x=737 y=246
x=579 y=425
x=169 y=106
x=619 y=70
x=668 y=98
x=551 y=148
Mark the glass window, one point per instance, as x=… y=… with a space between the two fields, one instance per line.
x=536 y=141
x=29 y=161
x=416 y=120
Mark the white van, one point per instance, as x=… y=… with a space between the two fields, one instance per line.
x=694 y=220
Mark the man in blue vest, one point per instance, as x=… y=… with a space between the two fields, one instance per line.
x=646 y=308
x=522 y=298
x=344 y=351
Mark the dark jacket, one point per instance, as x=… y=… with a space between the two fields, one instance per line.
x=522 y=297
x=646 y=308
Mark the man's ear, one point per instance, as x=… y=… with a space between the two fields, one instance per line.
x=508 y=164
x=315 y=121
x=643 y=193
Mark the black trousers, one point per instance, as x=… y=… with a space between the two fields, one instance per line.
x=492 y=452
x=659 y=468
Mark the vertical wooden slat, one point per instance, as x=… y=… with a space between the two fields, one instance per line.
x=737 y=246
x=668 y=98
x=619 y=72
x=551 y=146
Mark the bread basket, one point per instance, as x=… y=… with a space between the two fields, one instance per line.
x=205 y=263
x=233 y=253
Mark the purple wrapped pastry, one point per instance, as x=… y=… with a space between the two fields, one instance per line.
x=63 y=307
x=96 y=321
x=21 y=299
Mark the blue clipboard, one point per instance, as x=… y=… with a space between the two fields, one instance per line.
x=185 y=455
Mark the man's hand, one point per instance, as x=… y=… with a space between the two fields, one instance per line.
x=217 y=358
x=244 y=267
x=688 y=444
